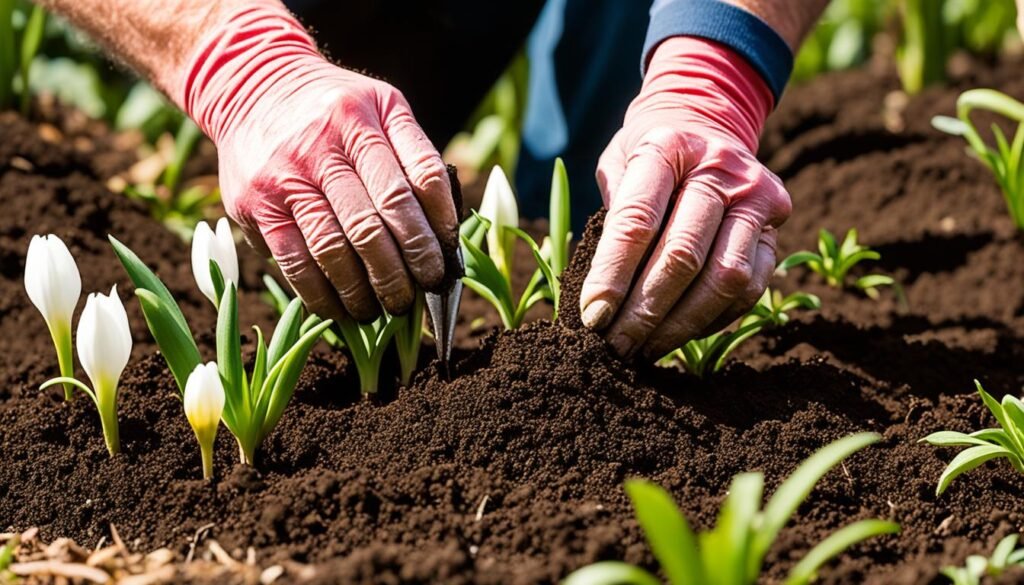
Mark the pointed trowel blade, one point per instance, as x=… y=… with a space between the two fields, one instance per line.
x=444 y=311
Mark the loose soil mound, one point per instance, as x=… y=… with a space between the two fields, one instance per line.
x=512 y=472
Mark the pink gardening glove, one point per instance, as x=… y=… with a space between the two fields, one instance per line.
x=324 y=168
x=682 y=184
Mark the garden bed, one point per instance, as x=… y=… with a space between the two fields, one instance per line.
x=513 y=471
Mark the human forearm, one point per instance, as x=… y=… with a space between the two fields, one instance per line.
x=154 y=37
x=792 y=20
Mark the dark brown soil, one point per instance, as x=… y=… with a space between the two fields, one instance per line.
x=512 y=472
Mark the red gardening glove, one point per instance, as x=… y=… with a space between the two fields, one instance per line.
x=684 y=159
x=324 y=168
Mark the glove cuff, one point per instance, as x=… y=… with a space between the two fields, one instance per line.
x=720 y=85
x=239 y=61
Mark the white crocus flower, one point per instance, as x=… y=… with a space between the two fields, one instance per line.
x=104 y=346
x=500 y=208
x=54 y=287
x=204 y=405
x=218 y=246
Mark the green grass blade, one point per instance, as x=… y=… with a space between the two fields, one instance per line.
x=804 y=571
x=559 y=218
x=611 y=573
x=31 y=39
x=1001 y=556
x=667 y=532
x=967 y=460
x=278 y=298
x=797 y=486
x=175 y=341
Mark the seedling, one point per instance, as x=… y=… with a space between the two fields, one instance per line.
x=489 y=273
x=368 y=342
x=104 y=346
x=704 y=356
x=976 y=567
x=834 y=261
x=986 y=444
x=733 y=552
x=1005 y=161
x=254 y=403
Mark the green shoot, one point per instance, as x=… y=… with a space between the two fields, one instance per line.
x=16 y=58
x=1007 y=441
x=489 y=273
x=976 y=567
x=254 y=401
x=704 y=356
x=733 y=551
x=834 y=261
x=921 y=57
x=1005 y=161
x=368 y=342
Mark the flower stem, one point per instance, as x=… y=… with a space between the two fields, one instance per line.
x=207 y=451
x=247 y=456
x=111 y=434
x=368 y=378
x=61 y=335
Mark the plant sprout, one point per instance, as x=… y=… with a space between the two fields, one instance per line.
x=733 y=552
x=1005 y=161
x=834 y=261
x=54 y=286
x=921 y=57
x=704 y=356
x=204 y=406
x=104 y=346
x=986 y=444
x=254 y=402
x=489 y=273
x=976 y=567
x=368 y=342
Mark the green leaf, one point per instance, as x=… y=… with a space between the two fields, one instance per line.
x=172 y=337
x=611 y=573
x=284 y=375
x=32 y=38
x=1001 y=556
x=229 y=350
x=482 y=271
x=143 y=277
x=967 y=460
x=827 y=244
x=797 y=486
x=797 y=259
x=667 y=532
x=259 y=368
x=949 y=125
x=1004 y=421
x=185 y=141
x=559 y=217
x=217 y=278
x=550 y=275
x=278 y=297
x=286 y=333
x=73 y=382
x=871 y=281
x=953 y=439
x=804 y=571
x=725 y=548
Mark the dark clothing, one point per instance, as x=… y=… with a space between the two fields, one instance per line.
x=444 y=55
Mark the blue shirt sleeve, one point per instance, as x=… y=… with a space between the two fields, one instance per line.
x=729 y=25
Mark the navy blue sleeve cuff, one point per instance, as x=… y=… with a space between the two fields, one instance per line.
x=729 y=25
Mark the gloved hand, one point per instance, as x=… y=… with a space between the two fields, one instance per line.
x=689 y=239
x=322 y=167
